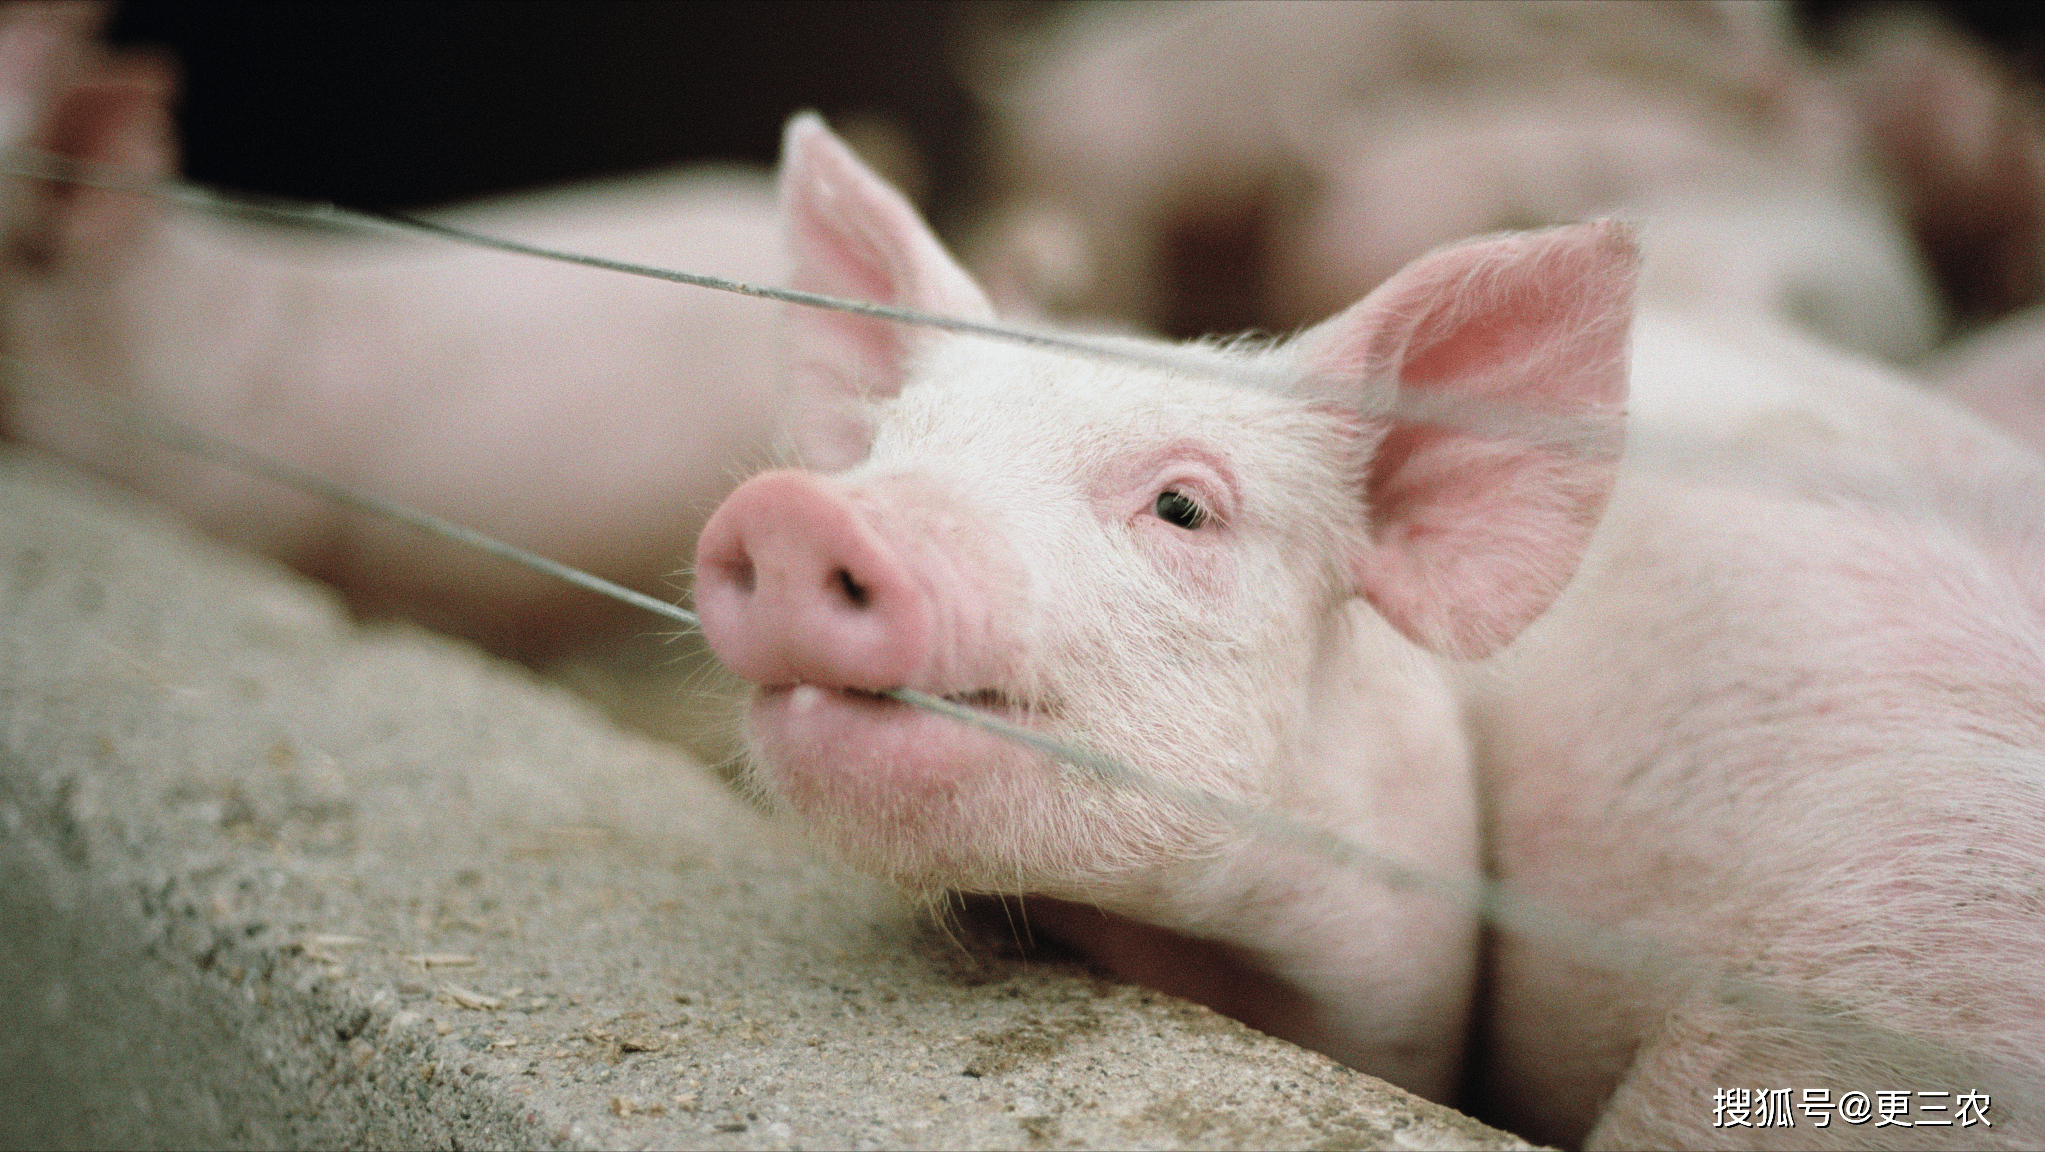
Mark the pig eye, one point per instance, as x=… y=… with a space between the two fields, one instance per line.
x=1179 y=509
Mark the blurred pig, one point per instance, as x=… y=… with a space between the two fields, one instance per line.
x=593 y=417
x=1206 y=167
x=1960 y=137
x=1964 y=141
x=43 y=47
x=1999 y=373
x=1736 y=675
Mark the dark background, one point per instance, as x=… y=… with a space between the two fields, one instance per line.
x=413 y=104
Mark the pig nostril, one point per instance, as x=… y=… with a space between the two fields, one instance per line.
x=853 y=591
x=742 y=575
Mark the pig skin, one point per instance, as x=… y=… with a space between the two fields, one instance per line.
x=592 y=417
x=1770 y=763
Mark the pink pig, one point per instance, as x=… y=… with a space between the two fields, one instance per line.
x=1755 y=703
x=594 y=417
x=1206 y=167
x=1999 y=373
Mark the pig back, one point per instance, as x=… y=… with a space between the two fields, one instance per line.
x=1776 y=757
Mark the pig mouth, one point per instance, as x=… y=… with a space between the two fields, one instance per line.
x=999 y=703
x=813 y=739
x=995 y=702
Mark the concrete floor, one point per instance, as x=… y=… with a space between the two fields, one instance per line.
x=272 y=879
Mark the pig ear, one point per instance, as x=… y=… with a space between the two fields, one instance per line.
x=1509 y=358
x=852 y=235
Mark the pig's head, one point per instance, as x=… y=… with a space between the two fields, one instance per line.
x=1166 y=566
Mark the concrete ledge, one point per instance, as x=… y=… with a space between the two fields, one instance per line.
x=268 y=879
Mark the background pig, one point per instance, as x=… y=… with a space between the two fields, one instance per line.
x=1963 y=139
x=593 y=417
x=1756 y=716
x=1210 y=167
x=1999 y=373
x=1958 y=135
x=1754 y=173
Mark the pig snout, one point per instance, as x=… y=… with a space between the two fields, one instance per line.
x=795 y=586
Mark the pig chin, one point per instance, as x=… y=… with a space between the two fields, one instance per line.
x=931 y=804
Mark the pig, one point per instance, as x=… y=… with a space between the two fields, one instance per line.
x=1965 y=142
x=1194 y=168
x=1999 y=374
x=1960 y=138
x=592 y=417
x=1726 y=661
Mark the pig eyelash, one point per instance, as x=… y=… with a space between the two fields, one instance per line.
x=1180 y=510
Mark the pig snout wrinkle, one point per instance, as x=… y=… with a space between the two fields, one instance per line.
x=795 y=587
